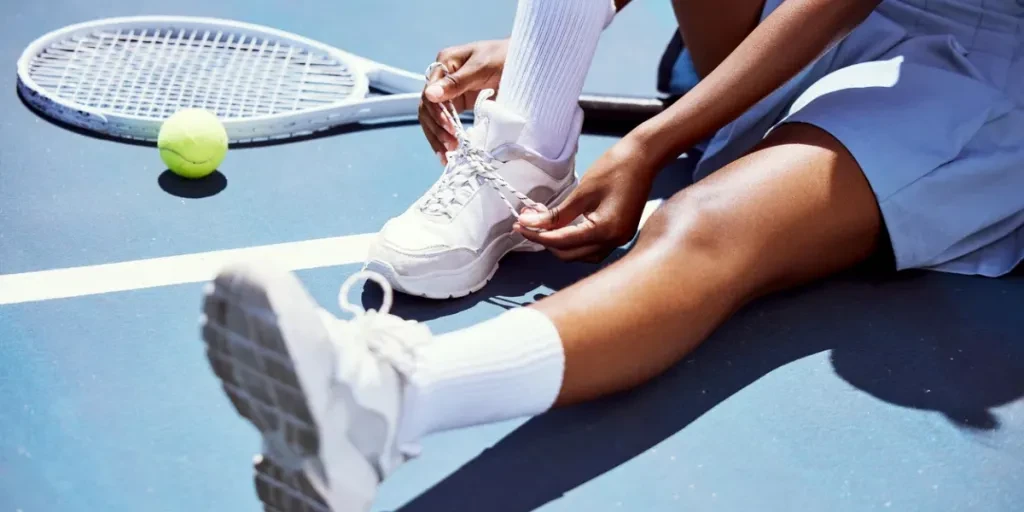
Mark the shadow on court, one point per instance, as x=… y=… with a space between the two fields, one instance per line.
x=185 y=188
x=521 y=274
x=942 y=343
x=926 y=341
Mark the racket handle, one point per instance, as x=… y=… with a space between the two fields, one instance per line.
x=622 y=112
x=397 y=81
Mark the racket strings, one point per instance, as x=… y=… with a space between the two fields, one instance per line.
x=156 y=72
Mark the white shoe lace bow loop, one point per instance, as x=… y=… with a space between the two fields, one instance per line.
x=387 y=335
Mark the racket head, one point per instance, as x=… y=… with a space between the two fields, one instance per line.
x=122 y=77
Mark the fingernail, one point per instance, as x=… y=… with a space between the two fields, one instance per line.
x=434 y=91
x=450 y=146
x=523 y=229
x=530 y=216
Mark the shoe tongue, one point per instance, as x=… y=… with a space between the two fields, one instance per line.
x=495 y=125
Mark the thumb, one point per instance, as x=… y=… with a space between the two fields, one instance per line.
x=561 y=215
x=454 y=84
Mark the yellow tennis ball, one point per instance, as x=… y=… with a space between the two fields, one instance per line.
x=192 y=143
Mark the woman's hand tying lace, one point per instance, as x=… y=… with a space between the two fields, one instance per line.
x=609 y=203
x=472 y=68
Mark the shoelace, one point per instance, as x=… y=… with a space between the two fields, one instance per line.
x=388 y=336
x=467 y=162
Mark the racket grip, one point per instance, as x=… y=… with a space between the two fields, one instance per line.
x=620 y=113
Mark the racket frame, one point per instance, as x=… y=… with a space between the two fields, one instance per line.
x=404 y=87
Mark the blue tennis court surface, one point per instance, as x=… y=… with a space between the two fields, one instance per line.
x=862 y=393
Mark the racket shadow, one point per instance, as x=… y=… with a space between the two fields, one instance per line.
x=889 y=336
x=74 y=129
x=332 y=132
x=599 y=126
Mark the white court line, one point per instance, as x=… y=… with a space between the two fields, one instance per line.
x=187 y=268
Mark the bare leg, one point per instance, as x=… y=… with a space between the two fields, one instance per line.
x=713 y=29
x=342 y=404
x=797 y=208
x=355 y=397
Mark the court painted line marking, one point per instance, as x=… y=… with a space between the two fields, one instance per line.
x=188 y=268
x=180 y=269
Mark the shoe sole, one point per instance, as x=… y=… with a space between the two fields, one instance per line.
x=422 y=286
x=247 y=351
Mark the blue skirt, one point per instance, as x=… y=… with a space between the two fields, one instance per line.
x=928 y=96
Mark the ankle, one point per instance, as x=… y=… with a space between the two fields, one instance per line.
x=507 y=367
x=549 y=54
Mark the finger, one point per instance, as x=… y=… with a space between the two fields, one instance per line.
x=435 y=135
x=430 y=129
x=588 y=253
x=561 y=215
x=436 y=73
x=452 y=59
x=568 y=237
x=437 y=119
x=441 y=119
x=444 y=120
x=456 y=83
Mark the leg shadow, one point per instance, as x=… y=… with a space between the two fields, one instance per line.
x=890 y=336
x=940 y=343
x=925 y=341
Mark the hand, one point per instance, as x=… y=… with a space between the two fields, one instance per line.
x=472 y=68
x=608 y=202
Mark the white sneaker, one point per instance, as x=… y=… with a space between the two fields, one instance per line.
x=325 y=393
x=449 y=243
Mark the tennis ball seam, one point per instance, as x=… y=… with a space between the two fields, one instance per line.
x=193 y=162
x=192 y=142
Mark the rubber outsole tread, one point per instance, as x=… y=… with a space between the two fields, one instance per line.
x=246 y=351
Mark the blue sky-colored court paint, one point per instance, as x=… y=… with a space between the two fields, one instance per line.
x=862 y=393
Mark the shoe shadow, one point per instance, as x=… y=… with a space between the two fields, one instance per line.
x=924 y=341
x=522 y=279
x=527 y=277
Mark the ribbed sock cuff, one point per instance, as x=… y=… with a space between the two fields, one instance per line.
x=504 y=368
x=550 y=52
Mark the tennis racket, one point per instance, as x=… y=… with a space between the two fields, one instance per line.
x=122 y=77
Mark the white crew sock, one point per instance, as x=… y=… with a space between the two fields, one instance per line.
x=504 y=368
x=550 y=51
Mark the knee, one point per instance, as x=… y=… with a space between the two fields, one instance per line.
x=695 y=223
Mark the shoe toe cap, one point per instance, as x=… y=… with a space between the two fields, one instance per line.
x=410 y=252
